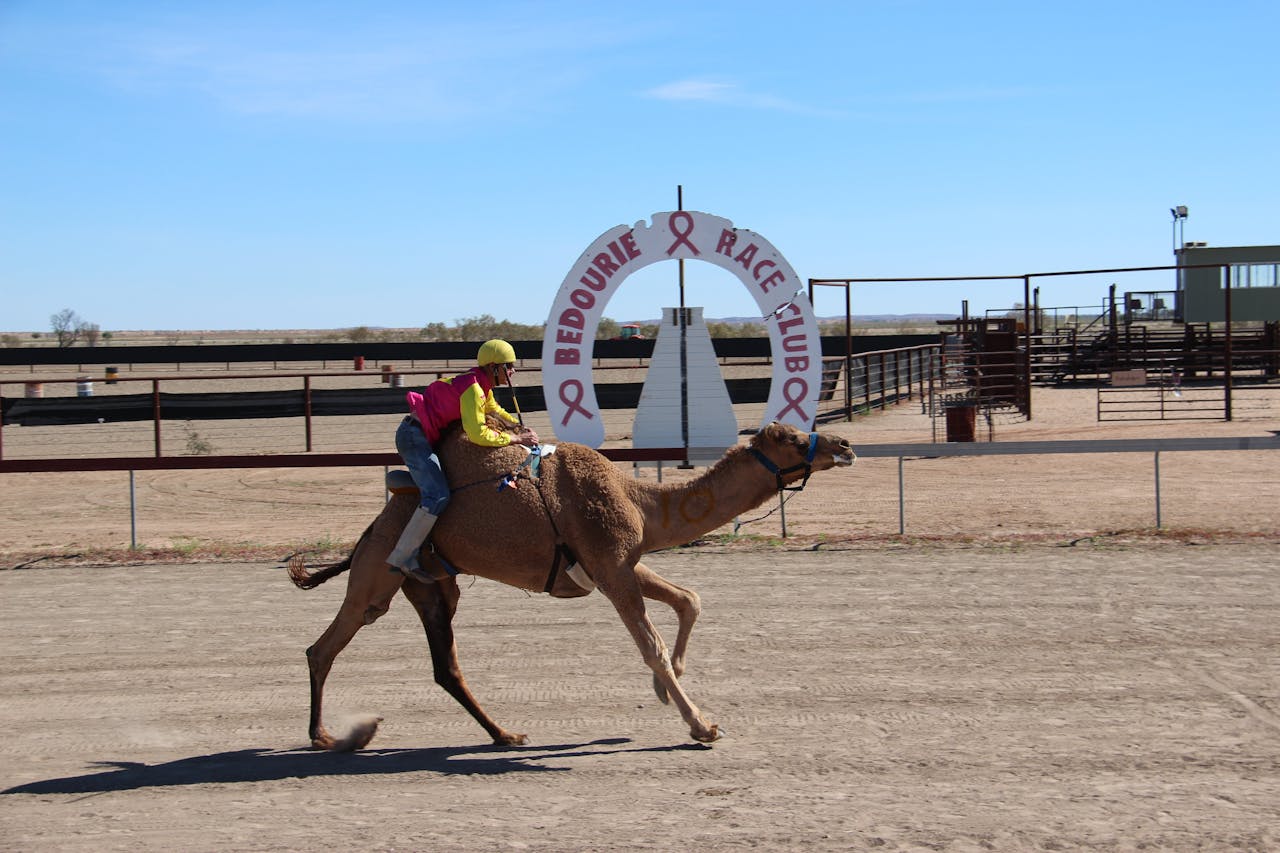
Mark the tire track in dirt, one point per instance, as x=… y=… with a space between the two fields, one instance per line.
x=1260 y=714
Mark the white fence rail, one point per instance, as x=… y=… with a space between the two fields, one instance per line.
x=1154 y=446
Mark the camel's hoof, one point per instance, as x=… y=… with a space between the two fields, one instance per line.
x=509 y=739
x=658 y=687
x=711 y=734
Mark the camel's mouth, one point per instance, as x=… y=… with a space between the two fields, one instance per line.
x=844 y=460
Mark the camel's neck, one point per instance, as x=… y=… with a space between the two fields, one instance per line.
x=678 y=513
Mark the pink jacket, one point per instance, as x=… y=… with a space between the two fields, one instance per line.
x=467 y=397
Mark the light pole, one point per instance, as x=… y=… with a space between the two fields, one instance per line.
x=1179 y=217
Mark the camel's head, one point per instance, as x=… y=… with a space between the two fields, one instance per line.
x=796 y=454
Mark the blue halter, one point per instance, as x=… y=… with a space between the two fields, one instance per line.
x=779 y=473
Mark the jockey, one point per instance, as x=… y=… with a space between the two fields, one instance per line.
x=468 y=398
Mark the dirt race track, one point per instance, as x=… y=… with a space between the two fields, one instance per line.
x=1095 y=696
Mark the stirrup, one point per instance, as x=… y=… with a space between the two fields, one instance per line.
x=417 y=573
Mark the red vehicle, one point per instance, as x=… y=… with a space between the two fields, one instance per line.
x=629 y=332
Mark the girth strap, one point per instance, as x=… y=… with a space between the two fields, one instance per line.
x=561 y=556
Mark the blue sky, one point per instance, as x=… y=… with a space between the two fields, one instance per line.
x=283 y=165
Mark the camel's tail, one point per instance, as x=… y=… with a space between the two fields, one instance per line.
x=304 y=579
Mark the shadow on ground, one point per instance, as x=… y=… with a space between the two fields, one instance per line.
x=261 y=765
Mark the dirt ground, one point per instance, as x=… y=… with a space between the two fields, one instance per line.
x=1031 y=667
x=1088 y=697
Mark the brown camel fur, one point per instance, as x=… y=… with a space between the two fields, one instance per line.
x=606 y=519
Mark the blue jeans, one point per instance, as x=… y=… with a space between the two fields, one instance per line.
x=424 y=466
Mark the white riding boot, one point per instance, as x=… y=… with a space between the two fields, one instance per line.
x=405 y=555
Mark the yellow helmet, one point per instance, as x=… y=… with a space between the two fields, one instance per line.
x=495 y=351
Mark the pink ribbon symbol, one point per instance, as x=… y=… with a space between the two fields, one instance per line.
x=682 y=237
x=575 y=405
x=794 y=400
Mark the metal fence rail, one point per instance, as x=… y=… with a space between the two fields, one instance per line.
x=863 y=382
x=902 y=452
x=1161 y=403
x=323 y=410
x=1154 y=446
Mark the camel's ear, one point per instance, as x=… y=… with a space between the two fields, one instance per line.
x=781 y=434
x=772 y=431
x=784 y=430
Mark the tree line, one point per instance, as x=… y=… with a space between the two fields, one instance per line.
x=68 y=329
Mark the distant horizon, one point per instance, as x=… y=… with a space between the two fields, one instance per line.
x=875 y=318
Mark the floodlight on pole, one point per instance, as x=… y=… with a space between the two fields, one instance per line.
x=1179 y=217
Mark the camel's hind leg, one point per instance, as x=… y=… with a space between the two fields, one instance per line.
x=370 y=588
x=436 y=603
x=625 y=595
x=685 y=603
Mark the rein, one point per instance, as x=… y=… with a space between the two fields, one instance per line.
x=806 y=466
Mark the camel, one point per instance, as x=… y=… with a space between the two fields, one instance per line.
x=573 y=505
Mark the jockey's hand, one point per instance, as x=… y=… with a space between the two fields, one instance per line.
x=526 y=437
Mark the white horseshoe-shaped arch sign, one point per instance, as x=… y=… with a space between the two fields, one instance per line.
x=579 y=306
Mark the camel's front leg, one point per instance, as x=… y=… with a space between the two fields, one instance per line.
x=436 y=603
x=685 y=603
x=629 y=603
